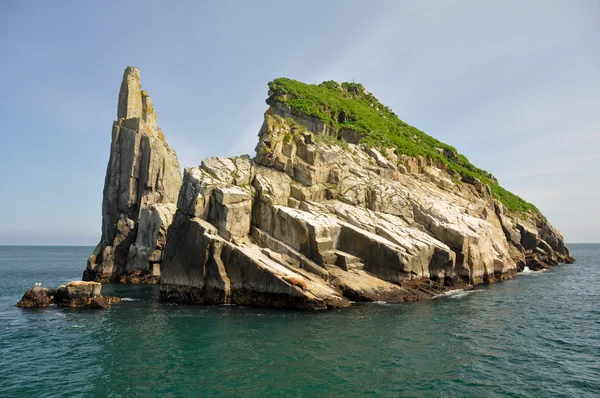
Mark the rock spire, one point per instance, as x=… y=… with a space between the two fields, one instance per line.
x=141 y=186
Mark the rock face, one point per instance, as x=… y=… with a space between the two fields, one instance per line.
x=314 y=223
x=140 y=190
x=74 y=294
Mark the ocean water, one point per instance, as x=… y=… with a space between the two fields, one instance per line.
x=537 y=335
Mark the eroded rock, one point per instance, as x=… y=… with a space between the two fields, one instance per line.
x=140 y=191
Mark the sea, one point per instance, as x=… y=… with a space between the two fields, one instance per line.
x=537 y=335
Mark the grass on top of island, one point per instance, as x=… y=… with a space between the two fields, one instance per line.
x=349 y=106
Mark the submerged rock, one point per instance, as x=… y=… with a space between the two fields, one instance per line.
x=74 y=294
x=141 y=186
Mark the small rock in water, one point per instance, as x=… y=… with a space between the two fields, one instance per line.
x=74 y=294
x=36 y=297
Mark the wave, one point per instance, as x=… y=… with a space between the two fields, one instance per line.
x=527 y=271
x=456 y=293
x=379 y=302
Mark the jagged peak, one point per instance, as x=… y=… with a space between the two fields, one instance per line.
x=135 y=103
x=130 y=95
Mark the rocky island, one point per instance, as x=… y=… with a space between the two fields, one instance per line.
x=342 y=203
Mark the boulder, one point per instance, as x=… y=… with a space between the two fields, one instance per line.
x=74 y=294
x=36 y=297
x=82 y=294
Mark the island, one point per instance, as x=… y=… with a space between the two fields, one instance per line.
x=342 y=203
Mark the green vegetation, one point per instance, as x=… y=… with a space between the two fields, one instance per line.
x=331 y=140
x=294 y=125
x=348 y=106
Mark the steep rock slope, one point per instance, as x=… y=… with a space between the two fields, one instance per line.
x=140 y=191
x=319 y=219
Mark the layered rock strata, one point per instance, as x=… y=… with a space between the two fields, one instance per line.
x=314 y=223
x=140 y=191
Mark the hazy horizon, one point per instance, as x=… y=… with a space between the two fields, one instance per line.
x=513 y=86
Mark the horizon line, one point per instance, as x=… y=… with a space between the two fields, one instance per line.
x=65 y=245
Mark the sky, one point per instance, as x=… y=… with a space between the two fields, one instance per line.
x=513 y=85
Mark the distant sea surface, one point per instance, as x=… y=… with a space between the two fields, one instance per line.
x=537 y=335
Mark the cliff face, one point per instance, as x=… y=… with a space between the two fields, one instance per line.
x=140 y=190
x=315 y=222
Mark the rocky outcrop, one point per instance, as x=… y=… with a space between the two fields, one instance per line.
x=537 y=244
x=75 y=294
x=140 y=191
x=311 y=222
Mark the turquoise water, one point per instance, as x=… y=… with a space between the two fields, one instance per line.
x=535 y=336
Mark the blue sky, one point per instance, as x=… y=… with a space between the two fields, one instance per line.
x=515 y=86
